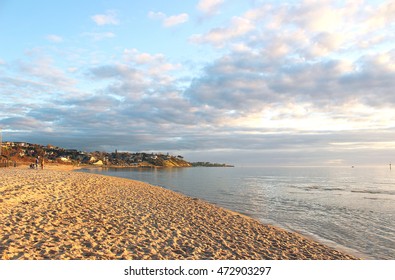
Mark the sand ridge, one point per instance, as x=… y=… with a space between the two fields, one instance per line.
x=49 y=214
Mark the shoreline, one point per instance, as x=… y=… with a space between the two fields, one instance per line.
x=300 y=231
x=52 y=214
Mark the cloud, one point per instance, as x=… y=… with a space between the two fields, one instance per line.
x=109 y=18
x=169 y=21
x=316 y=16
x=99 y=36
x=251 y=89
x=21 y=123
x=209 y=7
x=156 y=15
x=54 y=38
x=312 y=29
x=43 y=69
x=380 y=17
x=143 y=58
x=292 y=68
x=176 y=20
x=141 y=78
x=311 y=81
x=155 y=65
x=238 y=27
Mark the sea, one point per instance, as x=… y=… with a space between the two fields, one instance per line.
x=350 y=209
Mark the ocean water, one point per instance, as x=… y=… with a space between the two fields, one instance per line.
x=347 y=208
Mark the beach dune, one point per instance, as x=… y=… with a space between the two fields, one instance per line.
x=50 y=214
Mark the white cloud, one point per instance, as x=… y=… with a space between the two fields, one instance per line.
x=169 y=21
x=238 y=27
x=54 y=38
x=309 y=30
x=98 y=36
x=381 y=17
x=209 y=7
x=109 y=18
x=156 y=15
x=44 y=69
x=176 y=20
x=318 y=16
x=154 y=64
x=133 y=55
x=139 y=77
x=241 y=48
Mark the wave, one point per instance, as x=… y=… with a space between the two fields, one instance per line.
x=374 y=192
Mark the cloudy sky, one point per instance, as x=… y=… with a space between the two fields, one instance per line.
x=245 y=82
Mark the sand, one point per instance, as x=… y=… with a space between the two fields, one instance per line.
x=57 y=215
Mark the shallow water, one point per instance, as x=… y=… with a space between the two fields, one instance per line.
x=349 y=208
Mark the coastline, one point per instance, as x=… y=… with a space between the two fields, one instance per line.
x=58 y=214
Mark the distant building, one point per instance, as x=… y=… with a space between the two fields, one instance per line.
x=64 y=159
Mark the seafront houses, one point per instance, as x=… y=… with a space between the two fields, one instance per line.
x=23 y=150
x=15 y=144
x=26 y=152
x=7 y=144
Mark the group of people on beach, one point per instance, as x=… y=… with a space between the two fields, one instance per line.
x=38 y=160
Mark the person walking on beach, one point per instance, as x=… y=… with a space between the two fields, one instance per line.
x=37 y=159
x=42 y=163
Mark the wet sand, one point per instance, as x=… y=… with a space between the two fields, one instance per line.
x=57 y=215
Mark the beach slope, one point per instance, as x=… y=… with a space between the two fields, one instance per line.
x=49 y=214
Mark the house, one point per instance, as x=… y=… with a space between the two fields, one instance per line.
x=8 y=144
x=64 y=159
x=22 y=144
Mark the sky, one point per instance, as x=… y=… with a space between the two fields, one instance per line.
x=244 y=82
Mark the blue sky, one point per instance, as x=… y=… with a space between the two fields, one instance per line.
x=246 y=82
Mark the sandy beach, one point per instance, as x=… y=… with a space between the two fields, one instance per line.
x=57 y=215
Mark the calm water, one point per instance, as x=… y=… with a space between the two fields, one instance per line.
x=349 y=208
